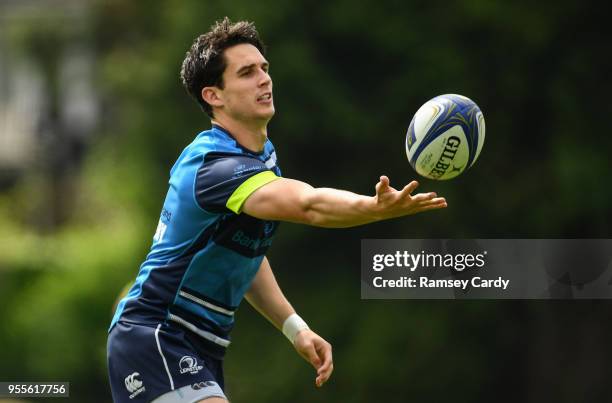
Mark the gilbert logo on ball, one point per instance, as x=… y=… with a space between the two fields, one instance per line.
x=445 y=136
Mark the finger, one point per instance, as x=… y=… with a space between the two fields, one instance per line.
x=432 y=206
x=383 y=185
x=325 y=353
x=435 y=200
x=325 y=375
x=409 y=188
x=321 y=379
x=420 y=197
x=324 y=372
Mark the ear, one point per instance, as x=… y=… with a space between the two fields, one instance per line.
x=212 y=95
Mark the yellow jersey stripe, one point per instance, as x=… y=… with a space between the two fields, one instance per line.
x=243 y=191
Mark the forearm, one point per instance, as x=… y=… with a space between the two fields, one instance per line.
x=267 y=298
x=333 y=208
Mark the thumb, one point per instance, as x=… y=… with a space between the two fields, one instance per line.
x=311 y=356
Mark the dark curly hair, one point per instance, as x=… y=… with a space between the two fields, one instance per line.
x=205 y=62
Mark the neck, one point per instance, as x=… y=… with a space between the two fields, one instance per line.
x=250 y=136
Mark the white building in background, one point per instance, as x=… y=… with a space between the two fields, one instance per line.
x=21 y=94
x=44 y=110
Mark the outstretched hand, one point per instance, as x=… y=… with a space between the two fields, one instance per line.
x=314 y=349
x=391 y=202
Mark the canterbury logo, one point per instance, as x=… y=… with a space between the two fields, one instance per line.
x=133 y=385
x=205 y=384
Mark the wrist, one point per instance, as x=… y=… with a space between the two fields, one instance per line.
x=371 y=208
x=293 y=325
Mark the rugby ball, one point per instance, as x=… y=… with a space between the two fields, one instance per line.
x=445 y=137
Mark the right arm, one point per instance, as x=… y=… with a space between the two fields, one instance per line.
x=295 y=201
x=267 y=298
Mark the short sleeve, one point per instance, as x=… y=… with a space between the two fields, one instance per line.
x=224 y=181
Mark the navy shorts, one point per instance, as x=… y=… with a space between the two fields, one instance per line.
x=148 y=361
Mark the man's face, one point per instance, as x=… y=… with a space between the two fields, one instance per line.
x=247 y=91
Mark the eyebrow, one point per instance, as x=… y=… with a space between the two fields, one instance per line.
x=250 y=66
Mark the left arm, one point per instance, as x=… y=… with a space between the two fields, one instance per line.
x=267 y=298
x=295 y=201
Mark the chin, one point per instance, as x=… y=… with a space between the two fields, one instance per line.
x=268 y=114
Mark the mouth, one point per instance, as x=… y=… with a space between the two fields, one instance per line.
x=265 y=97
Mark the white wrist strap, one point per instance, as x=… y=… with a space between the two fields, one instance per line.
x=293 y=324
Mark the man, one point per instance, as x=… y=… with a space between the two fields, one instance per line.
x=226 y=196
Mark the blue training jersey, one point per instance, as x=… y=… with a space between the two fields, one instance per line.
x=205 y=251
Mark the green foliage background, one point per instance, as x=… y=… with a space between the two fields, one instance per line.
x=347 y=78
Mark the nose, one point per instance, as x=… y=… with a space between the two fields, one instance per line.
x=265 y=78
